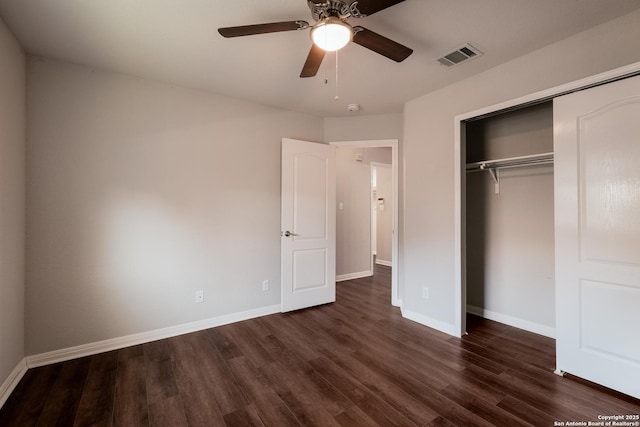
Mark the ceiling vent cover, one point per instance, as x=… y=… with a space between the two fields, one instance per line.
x=460 y=55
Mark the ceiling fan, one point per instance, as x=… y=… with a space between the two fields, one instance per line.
x=331 y=30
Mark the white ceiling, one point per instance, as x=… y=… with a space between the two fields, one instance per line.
x=177 y=41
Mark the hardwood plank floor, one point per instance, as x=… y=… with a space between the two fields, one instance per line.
x=356 y=362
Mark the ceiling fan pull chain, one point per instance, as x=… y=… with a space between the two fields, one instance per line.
x=337 y=97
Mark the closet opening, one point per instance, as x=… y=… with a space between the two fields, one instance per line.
x=508 y=217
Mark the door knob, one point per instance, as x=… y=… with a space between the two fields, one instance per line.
x=289 y=234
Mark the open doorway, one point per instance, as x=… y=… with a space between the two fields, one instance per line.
x=381 y=212
x=355 y=216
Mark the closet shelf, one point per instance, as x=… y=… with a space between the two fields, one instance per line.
x=511 y=162
x=494 y=166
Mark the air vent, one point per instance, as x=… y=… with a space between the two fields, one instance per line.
x=460 y=55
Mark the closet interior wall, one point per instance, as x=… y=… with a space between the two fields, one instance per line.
x=510 y=235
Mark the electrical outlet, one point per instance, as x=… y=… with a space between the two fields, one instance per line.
x=265 y=285
x=425 y=293
x=199 y=296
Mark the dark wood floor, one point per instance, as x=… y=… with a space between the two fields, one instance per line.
x=353 y=363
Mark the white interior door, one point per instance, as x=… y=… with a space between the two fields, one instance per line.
x=597 y=215
x=308 y=224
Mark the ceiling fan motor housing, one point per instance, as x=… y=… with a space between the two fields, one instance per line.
x=334 y=8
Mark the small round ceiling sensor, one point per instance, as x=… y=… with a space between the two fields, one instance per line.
x=353 y=107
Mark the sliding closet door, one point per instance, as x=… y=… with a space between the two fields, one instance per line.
x=597 y=214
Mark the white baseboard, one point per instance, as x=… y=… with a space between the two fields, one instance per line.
x=351 y=276
x=516 y=322
x=7 y=387
x=430 y=322
x=144 y=337
x=384 y=262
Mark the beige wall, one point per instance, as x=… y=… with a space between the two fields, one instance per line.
x=428 y=150
x=12 y=204
x=141 y=193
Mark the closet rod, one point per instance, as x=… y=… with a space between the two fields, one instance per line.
x=510 y=162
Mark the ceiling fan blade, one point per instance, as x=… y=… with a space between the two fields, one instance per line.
x=274 y=27
x=313 y=62
x=382 y=45
x=369 y=7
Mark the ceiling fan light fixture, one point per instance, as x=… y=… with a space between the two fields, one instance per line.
x=331 y=34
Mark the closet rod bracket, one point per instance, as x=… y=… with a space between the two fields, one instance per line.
x=495 y=174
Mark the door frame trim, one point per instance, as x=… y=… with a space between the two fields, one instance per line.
x=396 y=298
x=460 y=327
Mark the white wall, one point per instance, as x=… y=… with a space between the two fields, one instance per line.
x=362 y=127
x=353 y=217
x=12 y=201
x=379 y=155
x=510 y=235
x=139 y=194
x=428 y=151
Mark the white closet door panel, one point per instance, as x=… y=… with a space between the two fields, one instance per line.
x=609 y=149
x=597 y=216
